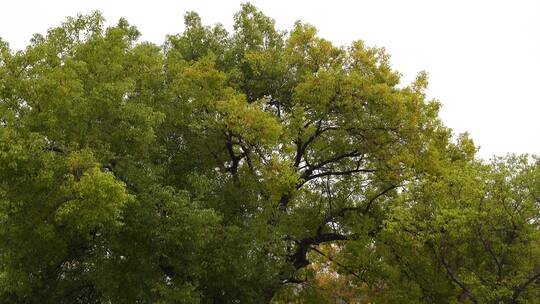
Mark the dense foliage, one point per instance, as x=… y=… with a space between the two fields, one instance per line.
x=246 y=167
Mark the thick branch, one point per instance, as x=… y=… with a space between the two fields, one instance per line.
x=302 y=146
x=299 y=257
x=51 y=147
x=233 y=169
x=337 y=173
x=331 y=160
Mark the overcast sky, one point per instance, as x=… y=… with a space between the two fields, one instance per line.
x=483 y=57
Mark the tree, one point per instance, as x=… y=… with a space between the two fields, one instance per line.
x=217 y=168
x=476 y=227
x=85 y=217
x=307 y=138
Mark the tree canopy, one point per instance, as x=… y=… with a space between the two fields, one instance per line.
x=256 y=166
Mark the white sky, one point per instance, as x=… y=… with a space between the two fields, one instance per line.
x=483 y=57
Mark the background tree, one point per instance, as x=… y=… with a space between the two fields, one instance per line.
x=475 y=227
x=85 y=217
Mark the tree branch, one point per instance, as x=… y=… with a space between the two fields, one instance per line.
x=334 y=159
x=457 y=281
x=341 y=212
x=346 y=268
x=299 y=257
x=519 y=289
